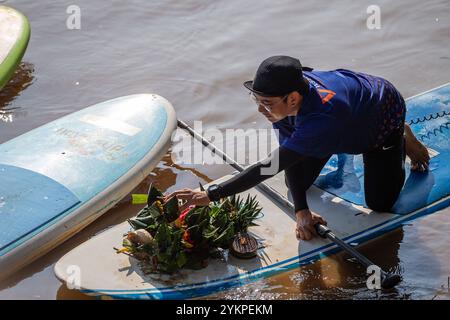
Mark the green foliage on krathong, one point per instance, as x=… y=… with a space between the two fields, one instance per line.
x=188 y=239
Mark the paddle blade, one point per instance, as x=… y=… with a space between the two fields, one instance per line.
x=390 y=280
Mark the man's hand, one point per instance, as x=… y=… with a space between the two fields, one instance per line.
x=305 y=224
x=191 y=197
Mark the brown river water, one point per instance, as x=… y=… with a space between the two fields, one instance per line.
x=197 y=54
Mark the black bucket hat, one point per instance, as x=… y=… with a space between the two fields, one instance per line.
x=278 y=76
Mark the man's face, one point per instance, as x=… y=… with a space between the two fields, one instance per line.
x=273 y=108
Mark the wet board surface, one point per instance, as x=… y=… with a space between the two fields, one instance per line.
x=14 y=37
x=108 y=274
x=63 y=175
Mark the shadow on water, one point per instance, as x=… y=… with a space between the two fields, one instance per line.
x=22 y=79
x=65 y=293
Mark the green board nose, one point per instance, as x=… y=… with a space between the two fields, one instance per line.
x=14 y=37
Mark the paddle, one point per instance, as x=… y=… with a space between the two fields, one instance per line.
x=388 y=280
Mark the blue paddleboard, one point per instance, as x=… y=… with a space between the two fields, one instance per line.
x=57 y=178
x=429 y=118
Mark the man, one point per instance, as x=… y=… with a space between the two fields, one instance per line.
x=318 y=114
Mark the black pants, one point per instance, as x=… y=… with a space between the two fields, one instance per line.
x=384 y=173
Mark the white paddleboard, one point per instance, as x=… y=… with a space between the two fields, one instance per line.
x=103 y=272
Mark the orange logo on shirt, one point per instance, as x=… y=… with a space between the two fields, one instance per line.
x=326 y=95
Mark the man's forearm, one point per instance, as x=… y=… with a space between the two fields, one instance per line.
x=256 y=173
x=296 y=187
x=300 y=177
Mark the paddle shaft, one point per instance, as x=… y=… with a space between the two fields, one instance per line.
x=262 y=186
x=388 y=280
x=325 y=232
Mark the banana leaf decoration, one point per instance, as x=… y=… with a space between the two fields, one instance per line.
x=153 y=194
x=171 y=209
